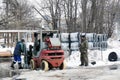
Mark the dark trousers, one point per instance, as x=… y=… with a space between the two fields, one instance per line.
x=84 y=59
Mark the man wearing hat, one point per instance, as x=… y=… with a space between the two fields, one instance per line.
x=19 y=48
x=83 y=50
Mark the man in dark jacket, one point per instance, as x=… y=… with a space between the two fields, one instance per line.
x=19 y=48
x=83 y=50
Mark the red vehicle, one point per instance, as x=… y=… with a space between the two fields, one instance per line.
x=47 y=52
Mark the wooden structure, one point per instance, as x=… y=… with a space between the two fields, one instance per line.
x=12 y=36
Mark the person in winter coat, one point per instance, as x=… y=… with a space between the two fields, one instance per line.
x=19 y=48
x=83 y=50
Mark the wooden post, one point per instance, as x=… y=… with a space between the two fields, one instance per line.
x=8 y=40
x=18 y=36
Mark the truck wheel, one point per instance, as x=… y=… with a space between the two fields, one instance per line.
x=62 y=66
x=32 y=64
x=44 y=65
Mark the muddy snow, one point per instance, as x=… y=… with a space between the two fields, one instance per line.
x=108 y=72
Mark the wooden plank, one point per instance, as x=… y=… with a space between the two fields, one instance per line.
x=7 y=31
x=5 y=54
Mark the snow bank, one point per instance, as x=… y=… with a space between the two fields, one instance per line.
x=94 y=55
x=113 y=43
x=74 y=59
x=98 y=56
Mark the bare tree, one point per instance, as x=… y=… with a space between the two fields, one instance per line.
x=18 y=14
x=52 y=9
x=84 y=13
x=112 y=12
x=92 y=17
x=99 y=15
x=70 y=8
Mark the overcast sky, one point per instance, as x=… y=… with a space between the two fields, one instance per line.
x=33 y=2
x=1 y=3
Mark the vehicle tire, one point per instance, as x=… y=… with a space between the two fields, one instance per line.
x=113 y=56
x=32 y=64
x=44 y=65
x=62 y=66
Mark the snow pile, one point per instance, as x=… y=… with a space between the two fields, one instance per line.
x=74 y=59
x=113 y=43
x=100 y=57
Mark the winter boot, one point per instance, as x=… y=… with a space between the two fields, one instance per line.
x=20 y=66
x=12 y=65
x=81 y=65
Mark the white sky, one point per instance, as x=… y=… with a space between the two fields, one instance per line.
x=1 y=3
x=34 y=3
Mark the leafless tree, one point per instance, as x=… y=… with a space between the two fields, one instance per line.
x=84 y=15
x=18 y=14
x=112 y=10
x=99 y=16
x=52 y=9
x=70 y=8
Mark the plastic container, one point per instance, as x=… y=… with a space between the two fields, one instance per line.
x=91 y=37
x=65 y=46
x=64 y=37
x=74 y=36
x=74 y=46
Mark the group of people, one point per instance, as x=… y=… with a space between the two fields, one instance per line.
x=20 y=48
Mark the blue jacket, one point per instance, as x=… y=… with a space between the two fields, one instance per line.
x=19 y=48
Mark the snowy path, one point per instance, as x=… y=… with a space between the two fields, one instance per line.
x=78 y=73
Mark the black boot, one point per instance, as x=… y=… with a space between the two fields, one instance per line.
x=81 y=65
x=12 y=65
x=20 y=66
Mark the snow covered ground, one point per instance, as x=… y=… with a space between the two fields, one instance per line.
x=99 y=71
x=78 y=73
